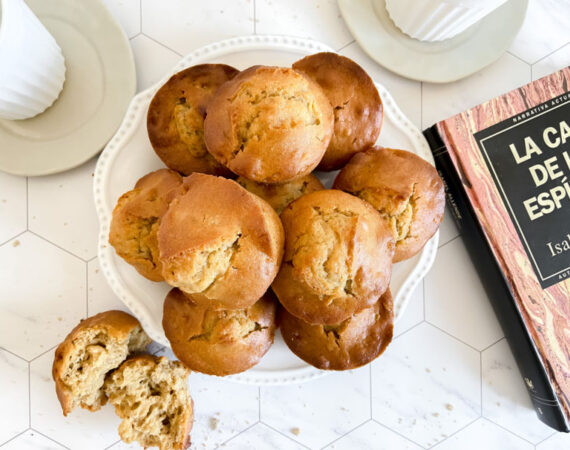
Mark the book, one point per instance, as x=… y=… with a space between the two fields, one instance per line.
x=506 y=168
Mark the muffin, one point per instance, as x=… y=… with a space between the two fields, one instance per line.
x=404 y=188
x=269 y=124
x=356 y=104
x=218 y=342
x=135 y=221
x=93 y=348
x=352 y=343
x=338 y=257
x=175 y=119
x=150 y=394
x=219 y=242
x=280 y=195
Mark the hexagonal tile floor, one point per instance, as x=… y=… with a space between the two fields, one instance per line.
x=448 y=381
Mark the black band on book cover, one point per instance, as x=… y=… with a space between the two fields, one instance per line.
x=528 y=360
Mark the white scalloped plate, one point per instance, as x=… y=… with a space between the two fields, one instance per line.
x=129 y=155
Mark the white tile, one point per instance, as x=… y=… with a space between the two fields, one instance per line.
x=124 y=446
x=152 y=60
x=62 y=209
x=322 y=410
x=426 y=385
x=32 y=440
x=14 y=410
x=560 y=441
x=441 y=101
x=81 y=429
x=406 y=93
x=552 y=63
x=12 y=206
x=100 y=297
x=448 y=229
x=259 y=437
x=319 y=20
x=186 y=25
x=221 y=409
x=414 y=312
x=373 y=436
x=484 y=434
x=505 y=398
x=456 y=301
x=545 y=29
x=43 y=295
x=127 y=13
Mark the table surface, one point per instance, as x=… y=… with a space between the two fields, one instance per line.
x=448 y=381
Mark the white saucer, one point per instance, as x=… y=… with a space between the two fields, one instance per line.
x=436 y=62
x=100 y=83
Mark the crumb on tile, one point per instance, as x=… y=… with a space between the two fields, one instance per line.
x=15 y=243
x=498 y=403
x=296 y=431
x=399 y=420
x=428 y=370
x=435 y=414
x=449 y=406
x=214 y=421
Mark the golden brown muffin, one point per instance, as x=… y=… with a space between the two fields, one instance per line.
x=135 y=221
x=356 y=104
x=218 y=342
x=93 y=348
x=220 y=242
x=151 y=395
x=404 y=188
x=175 y=120
x=338 y=257
x=280 y=195
x=352 y=343
x=269 y=124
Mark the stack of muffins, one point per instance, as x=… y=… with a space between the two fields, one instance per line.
x=240 y=148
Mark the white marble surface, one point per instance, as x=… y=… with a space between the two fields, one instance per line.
x=447 y=382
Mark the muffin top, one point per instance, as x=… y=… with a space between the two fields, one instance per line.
x=175 y=120
x=135 y=221
x=338 y=257
x=404 y=188
x=356 y=104
x=218 y=342
x=269 y=124
x=219 y=241
x=280 y=195
x=352 y=343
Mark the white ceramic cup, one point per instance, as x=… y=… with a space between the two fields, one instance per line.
x=436 y=20
x=32 y=67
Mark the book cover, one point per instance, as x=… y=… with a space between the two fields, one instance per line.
x=506 y=166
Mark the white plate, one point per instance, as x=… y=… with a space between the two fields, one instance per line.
x=436 y=62
x=129 y=155
x=100 y=83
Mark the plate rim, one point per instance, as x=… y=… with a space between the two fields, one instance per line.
x=127 y=128
x=346 y=5
x=122 y=45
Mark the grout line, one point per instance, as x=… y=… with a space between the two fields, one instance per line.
x=161 y=44
x=254 y=17
x=346 y=45
x=58 y=246
x=539 y=442
x=531 y=78
x=47 y=437
x=481 y=381
x=283 y=434
x=489 y=346
x=398 y=433
x=422 y=105
x=13 y=437
x=135 y=36
x=13 y=354
x=449 y=242
x=235 y=436
x=43 y=353
x=86 y=290
x=27 y=205
x=549 y=54
x=30 y=395
x=140 y=24
x=13 y=237
x=424 y=296
x=345 y=434
x=370 y=388
x=510 y=432
x=518 y=57
x=259 y=403
x=455 y=432
x=409 y=329
x=92 y=259
x=112 y=445
x=454 y=337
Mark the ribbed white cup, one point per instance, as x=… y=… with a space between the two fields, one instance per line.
x=436 y=20
x=32 y=67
